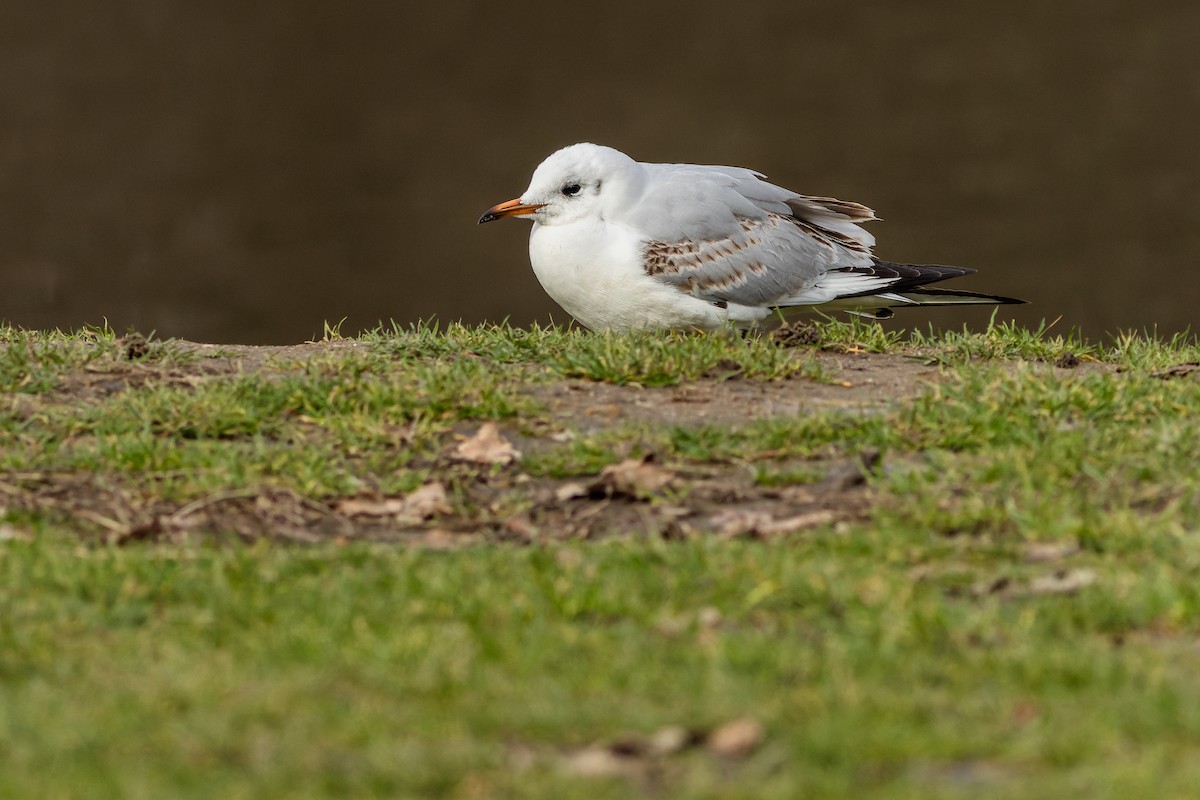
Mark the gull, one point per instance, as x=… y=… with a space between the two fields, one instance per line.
x=624 y=245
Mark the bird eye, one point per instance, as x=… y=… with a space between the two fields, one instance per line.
x=571 y=189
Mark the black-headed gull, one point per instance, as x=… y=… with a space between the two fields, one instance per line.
x=623 y=245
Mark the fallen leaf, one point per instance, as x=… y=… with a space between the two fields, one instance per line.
x=635 y=478
x=733 y=522
x=800 y=522
x=669 y=740
x=736 y=739
x=11 y=533
x=632 y=754
x=419 y=504
x=1061 y=582
x=570 y=491
x=1065 y=581
x=361 y=507
x=739 y=522
x=487 y=446
x=1049 y=551
x=519 y=526
x=426 y=501
x=601 y=762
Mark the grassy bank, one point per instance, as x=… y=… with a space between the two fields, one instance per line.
x=837 y=562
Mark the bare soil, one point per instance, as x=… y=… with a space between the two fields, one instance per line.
x=865 y=382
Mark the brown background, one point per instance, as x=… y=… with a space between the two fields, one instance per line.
x=231 y=171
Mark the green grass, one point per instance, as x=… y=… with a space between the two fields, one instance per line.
x=647 y=359
x=915 y=654
x=388 y=672
x=33 y=361
x=320 y=428
x=1007 y=340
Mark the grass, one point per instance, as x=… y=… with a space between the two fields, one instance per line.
x=646 y=359
x=33 y=361
x=1014 y=612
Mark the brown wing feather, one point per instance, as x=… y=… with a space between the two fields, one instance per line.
x=843 y=209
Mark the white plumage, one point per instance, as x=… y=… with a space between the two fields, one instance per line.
x=623 y=245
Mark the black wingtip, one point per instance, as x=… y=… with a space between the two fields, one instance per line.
x=904 y=277
x=909 y=279
x=964 y=298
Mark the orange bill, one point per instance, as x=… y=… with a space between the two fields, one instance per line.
x=509 y=208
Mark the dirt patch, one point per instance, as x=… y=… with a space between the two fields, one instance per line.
x=865 y=382
x=181 y=363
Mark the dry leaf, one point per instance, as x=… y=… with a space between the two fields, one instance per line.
x=1063 y=581
x=1067 y=581
x=11 y=533
x=520 y=526
x=634 y=477
x=741 y=522
x=487 y=446
x=570 y=491
x=362 y=507
x=669 y=740
x=799 y=522
x=1049 y=551
x=632 y=754
x=419 y=504
x=426 y=501
x=998 y=585
x=738 y=521
x=601 y=762
x=736 y=739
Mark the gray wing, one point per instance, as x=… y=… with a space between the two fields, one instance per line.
x=726 y=234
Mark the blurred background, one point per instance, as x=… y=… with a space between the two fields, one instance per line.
x=243 y=172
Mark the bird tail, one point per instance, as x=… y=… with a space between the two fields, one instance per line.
x=874 y=291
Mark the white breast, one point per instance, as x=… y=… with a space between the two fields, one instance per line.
x=594 y=271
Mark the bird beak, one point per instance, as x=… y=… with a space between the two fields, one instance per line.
x=511 y=208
